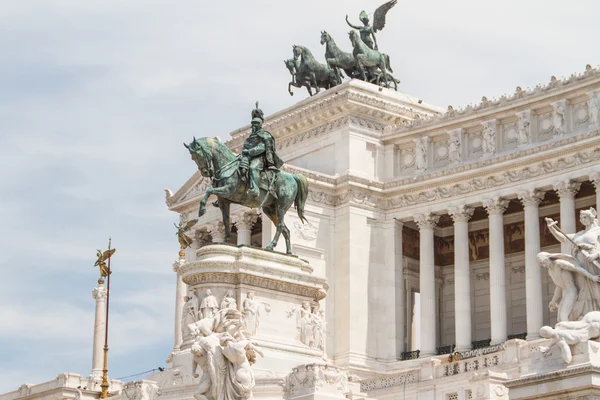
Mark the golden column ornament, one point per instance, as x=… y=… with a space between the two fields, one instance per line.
x=103 y=263
x=184 y=240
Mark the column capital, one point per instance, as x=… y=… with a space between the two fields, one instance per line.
x=217 y=231
x=567 y=189
x=99 y=293
x=595 y=178
x=177 y=266
x=531 y=197
x=427 y=221
x=461 y=213
x=495 y=205
x=245 y=219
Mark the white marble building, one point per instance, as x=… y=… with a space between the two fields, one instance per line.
x=424 y=226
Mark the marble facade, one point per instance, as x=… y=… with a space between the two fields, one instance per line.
x=424 y=227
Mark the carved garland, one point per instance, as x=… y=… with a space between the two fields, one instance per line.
x=256 y=281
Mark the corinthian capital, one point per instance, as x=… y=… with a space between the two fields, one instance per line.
x=595 y=178
x=427 y=221
x=245 y=220
x=461 y=213
x=496 y=205
x=99 y=293
x=531 y=197
x=567 y=189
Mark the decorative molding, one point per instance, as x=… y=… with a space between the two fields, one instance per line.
x=485 y=276
x=590 y=73
x=306 y=231
x=390 y=381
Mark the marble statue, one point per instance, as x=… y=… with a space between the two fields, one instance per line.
x=559 y=119
x=310 y=322
x=251 y=313
x=575 y=275
x=523 y=127
x=488 y=138
x=190 y=313
x=228 y=301
x=454 y=149
x=209 y=305
x=593 y=108
x=277 y=190
x=420 y=154
x=569 y=333
x=224 y=357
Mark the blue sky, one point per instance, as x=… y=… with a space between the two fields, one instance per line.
x=97 y=97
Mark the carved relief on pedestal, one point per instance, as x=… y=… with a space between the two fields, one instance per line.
x=306 y=231
x=311 y=378
x=190 y=313
x=251 y=312
x=209 y=305
x=310 y=322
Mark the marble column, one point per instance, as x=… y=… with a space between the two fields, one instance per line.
x=427 y=222
x=99 y=294
x=533 y=272
x=595 y=178
x=244 y=223
x=462 y=277
x=393 y=307
x=180 y=290
x=495 y=208
x=566 y=192
x=217 y=231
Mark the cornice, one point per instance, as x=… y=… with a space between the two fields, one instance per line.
x=487 y=108
x=553 y=376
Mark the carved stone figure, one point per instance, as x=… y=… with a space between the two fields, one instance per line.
x=251 y=309
x=421 y=153
x=224 y=356
x=277 y=190
x=488 y=137
x=190 y=313
x=593 y=108
x=454 y=149
x=523 y=126
x=576 y=274
x=209 y=305
x=367 y=32
x=228 y=301
x=310 y=323
x=559 y=118
x=569 y=333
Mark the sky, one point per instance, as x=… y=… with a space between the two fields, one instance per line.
x=96 y=99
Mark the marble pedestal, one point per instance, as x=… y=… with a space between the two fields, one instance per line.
x=552 y=379
x=280 y=284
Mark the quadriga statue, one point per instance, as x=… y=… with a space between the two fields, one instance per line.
x=252 y=179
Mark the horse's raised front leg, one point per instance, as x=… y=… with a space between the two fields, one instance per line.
x=224 y=206
x=290 y=88
x=203 y=202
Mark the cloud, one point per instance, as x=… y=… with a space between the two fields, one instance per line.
x=97 y=98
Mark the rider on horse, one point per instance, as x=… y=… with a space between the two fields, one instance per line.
x=258 y=153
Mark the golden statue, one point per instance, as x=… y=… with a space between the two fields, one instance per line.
x=184 y=240
x=100 y=262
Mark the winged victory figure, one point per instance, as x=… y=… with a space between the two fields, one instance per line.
x=100 y=262
x=184 y=240
x=367 y=31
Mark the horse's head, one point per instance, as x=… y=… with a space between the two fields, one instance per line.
x=290 y=65
x=325 y=38
x=297 y=51
x=353 y=37
x=201 y=156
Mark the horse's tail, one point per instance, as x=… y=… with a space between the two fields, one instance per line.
x=389 y=65
x=301 y=195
